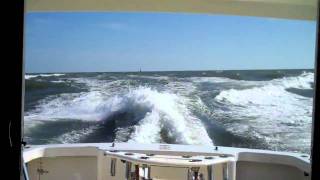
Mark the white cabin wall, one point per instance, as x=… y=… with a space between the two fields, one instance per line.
x=266 y=171
x=64 y=168
x=106 y=166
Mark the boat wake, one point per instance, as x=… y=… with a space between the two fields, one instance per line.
x=153 y=116
x=271 y=111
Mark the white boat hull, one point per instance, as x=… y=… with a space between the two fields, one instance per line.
x=107 y=161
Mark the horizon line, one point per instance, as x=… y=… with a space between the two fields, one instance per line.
x=168 y=71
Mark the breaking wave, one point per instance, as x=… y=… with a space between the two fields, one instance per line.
x=157 y=116
x=271 y=112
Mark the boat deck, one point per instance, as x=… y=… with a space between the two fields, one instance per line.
x=106 y=161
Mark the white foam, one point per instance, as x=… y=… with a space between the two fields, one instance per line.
x=89 y=106
x=183 y=88
x=149 y=77
x=103 y=86
x=269 y=111
x=75 y=135
x=29 y=76
x=169 y=111
x=59 y=81
x=303 y=81
x=213 y=79
x=164 y=110
x=84 y=106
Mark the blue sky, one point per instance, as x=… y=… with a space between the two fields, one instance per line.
x=102 y=42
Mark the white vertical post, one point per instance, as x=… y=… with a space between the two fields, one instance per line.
x=231 y=165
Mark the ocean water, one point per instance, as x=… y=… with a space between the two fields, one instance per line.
x=263 y=109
